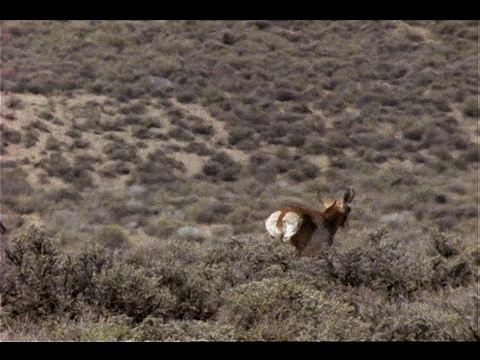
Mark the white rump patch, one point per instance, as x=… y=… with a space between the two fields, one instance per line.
x=291 y=223
x=271 y=225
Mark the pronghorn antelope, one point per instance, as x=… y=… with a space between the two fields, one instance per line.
x=308 y=229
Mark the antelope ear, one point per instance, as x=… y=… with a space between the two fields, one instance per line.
x=332 y=205
x=349 y=195
x=320 y=197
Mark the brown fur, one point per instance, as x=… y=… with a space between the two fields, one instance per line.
x=318 y=228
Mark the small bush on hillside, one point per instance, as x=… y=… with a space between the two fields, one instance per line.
x=40 y=125
x=161 y=228
x=186 y=96
x=137 y=108
x=76 y=174
x=239 y=134
x=283 y=309
x=79 y=177
x=209 y=212
x=470 y=107
x=80 y=144
x=65 y=194
x=11 y=136
x=155 y=329
x=33 y=274
x=14 y=102
x=51 y=143
x=159 y=169
x=74 y=133
x=203 y=129
x=112 y=237
x=198 y=148
x=180 y=134
x=121 y=151
x=222 y=167
x=30 y=138
x=14 y=183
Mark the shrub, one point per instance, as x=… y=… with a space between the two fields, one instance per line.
x=161 y=228
x=283 y=309
x=112 y=237
x=285 y=95
x=300 y=170
x=68 y=193
x=15 y=184
x=138 y=108
x=471 y=155
x=186 y=96
x=238 y=134
x=424 y=320
x=30 y=138
x=52 y=143
x=79 y=177
x=470 y=107
x=80 y=144
x=77 y=174
x=203 y=129
x=296 y=139
x=122 y=152
x=198 y=148
x=14 y=102
x=221 y=166
x=314 y=146
x=160 y=169
x=74 y=133
x=155 y=329
x=122 y=168
x=40 y=125
x=209 y=212
x=126 y=288
x=415 y=134
x=34 y=272
x=180 y=134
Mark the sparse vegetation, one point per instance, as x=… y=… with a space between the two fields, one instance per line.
x=150 y=161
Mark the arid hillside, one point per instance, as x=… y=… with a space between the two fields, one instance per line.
x=164 y=146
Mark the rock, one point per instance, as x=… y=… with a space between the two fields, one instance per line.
x=137 y=191
x=136 y=205
x=191 y=233
x=228 y=38
x=161 y=82
x=397 y=219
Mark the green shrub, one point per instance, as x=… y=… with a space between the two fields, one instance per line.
x=30 y=138
x=85 y=329
x=198 y=148
x=52 y=143
x=180 y=134
x=222 y=166
x=239 y=134
x=34 y=274
x=470 y=107
x=283 y=309
x=125 y=288
x=112 y=237
x=14 y=102
x=186 y=96
x=74 y=133
x=40 y=125
x=80 y=144
x=154 y=329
